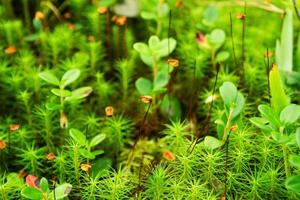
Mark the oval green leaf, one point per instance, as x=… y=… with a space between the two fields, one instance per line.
x=49 y=77
x=69 y=77
x=97 y=139
x=290 y=114
x=78 y=136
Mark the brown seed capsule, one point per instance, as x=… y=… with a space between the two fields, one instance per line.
x=173 y=62
x=71 y=26
x=2 y=144
x=268 y=54
x=109 y=111
x=273 y=67
x=22 y=173
x=85 y=167
x=211 y=98
x=90 y=38
x=102 y=10
x=146 y=99
x=241 y=16
x=222 y=198
x=39 y=15
x=10 y=50
x=50 y=156
x=14 y=127
x=168 y=155
x=63 y=120
x=234 y=128
x=119 y=20
x=179 y=4
x=67 y=15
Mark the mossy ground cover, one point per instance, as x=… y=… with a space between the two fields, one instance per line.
x=149 y=99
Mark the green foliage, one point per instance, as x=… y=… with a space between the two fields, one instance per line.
x=81 y=139
x=155 y=50
x=193 y=140
x=234 y=102
x=43 y=192
x=278 y=97
x=284 y=48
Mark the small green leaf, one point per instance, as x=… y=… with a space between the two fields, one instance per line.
x=295 y=160
x=79 y=93
x=44 y=184
x=37 y=24
x=144 y=86
x=261 y=123
x=279 y=100
x=63 y=190
x=147 y=59
x=167 y=46
x=269 y=114
x=212 y=142
x=286 y=43
x=148 y=15
x=281 y=138
x=142 y=48
x=290 y=114
x=154 y=43
x=170 y=108
x=97 y=139
x=298 y=136
x=210 y=15
x=278 y=53
x=238 y=105
x=13 y=179
x=32 y=193
x=78 y=136
x=292 y=183
x=217 y=38
x=297 y=68
x=61 y=92
x=161 y=80
x=228 y=93
x=49 y=78
x=69 y=77
x=97 y=152
x=85 y=153
x=53 y=106
x=222 y=56
x=101 y=167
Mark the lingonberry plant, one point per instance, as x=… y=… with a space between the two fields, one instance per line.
x=64 y=94
x=149 y=99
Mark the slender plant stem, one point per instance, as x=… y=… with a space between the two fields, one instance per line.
x=54 y=193
x=124 y=38
x=109 y=38
x=286 y=160
x=119 y=39
x=296 y=9
x=27 y=13
x=206 y=125
x=268 y=74
x=131 y=156
x=243 y=40
x=228 y=126
x=226 y=166
x=232 y=41
x=8 y=8
x=3 y=193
